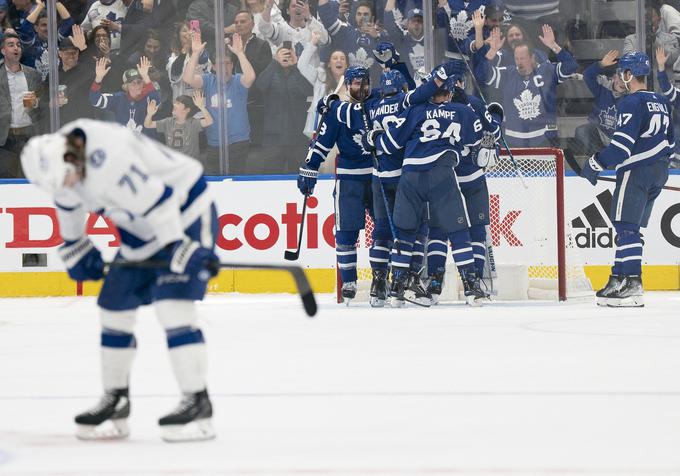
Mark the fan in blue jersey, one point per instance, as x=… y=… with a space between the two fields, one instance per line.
x=529 y=90
x=639 y=152
x=591 y=137
x=672 y=93
x=472 y=183
x=409 y=41
x=432 y=135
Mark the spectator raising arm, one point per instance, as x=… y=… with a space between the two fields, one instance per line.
x=236 y=47
x=190 y=77
x=151 y=110
x=199 y=102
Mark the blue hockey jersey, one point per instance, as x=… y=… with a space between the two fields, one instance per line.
x=531 y=102
x=643 y=132
x=411 y=50
x=432 y=134
x=604 y=108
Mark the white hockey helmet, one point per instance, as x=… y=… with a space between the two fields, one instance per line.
x=42 y=160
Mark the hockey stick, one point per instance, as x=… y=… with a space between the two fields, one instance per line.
x=571 y=160
x=294 y=255
x=518 y=171
x=298 y=274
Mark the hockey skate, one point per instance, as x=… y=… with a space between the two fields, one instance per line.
x=474 y=294
x=434 y=287
x=398 y=288
x=415 y=292
x=348 y=291
x=190 y=421
x=107 y=420
x=621 y=291
x=379 y=288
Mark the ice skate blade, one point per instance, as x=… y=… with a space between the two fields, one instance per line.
x=107 y=430
x=396 y=303
x=479 y=302
x=435 y=299
x=377 y=302
x=631 y=301
x=422 y=302
x=198 y=430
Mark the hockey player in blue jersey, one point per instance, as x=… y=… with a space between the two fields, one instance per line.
x=639 y=152
x=159 y=202
x=472 y=182
x=432 y=135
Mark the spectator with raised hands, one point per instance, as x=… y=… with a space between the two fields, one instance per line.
x=298 y=29
x=181 y=130
x=75 y=76
x=409 y=42
x=236 y=87
x=128 y=105
x=100 y=47
x=672 y=93
x=110 y=14
x=529 y=90
x=179 y=59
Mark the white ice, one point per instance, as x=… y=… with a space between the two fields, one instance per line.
x=508 y=389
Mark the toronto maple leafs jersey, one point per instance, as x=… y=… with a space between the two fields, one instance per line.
x=643 y=135
x=432 y=134
x=150 y=192
x=456 y=17
x=467 y=171
x=128 y=112
x=411 y=50
x=530 y=102
x=604 y=108
x=673 y=95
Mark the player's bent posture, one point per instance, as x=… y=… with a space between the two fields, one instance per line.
x=432 y=133
x=158 y=200
x=640 y=151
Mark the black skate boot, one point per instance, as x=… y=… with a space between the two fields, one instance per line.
x=108 y=419
x=190 y=421
x=379 y=288
x=613 y=285
x=626 y=293
x=398 y=287
x=415 y=292
x=348 y=291
x=434 y=288
x=474 y=294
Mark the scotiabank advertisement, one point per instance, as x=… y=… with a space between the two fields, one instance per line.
x=260 y=219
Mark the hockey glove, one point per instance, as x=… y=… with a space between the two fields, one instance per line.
x=368 y=140
x=189 y=257
x=386 y=54
x=82 y=260
x=496 y=110
x=591 y=169
x=487 y=155
x=439 y=73
x=324 y=104
x=307 y=180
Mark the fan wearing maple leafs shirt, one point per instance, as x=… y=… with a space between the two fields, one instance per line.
x=529 y=90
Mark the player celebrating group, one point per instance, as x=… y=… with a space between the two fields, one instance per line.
x=158 y=200
x=640 y=152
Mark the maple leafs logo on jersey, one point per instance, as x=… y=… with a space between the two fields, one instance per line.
x=608 y=118
x=361 y=58
x=528 y=106
x=417 y=56
x=460 y=25
x=132 y=125
x=357 y=140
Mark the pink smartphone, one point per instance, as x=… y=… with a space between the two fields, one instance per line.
x=195 y=26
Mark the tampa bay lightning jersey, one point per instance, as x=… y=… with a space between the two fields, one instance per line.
x=467 y=171
x=644 y=133
x=604 y=108
x=432 y=134
x=531 y=102
x=673 y=95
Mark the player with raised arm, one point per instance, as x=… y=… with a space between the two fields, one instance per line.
x=159 y=202
x=640 y=151
x=432 y=135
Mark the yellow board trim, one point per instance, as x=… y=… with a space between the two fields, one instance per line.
x=31 y=284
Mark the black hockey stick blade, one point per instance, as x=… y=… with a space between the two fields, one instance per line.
x=294 y=255
x=298 y=274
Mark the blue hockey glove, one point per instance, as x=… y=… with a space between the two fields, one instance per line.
x=325 y=103
x=591 y=169
x=386 y=54
x=369 y=138
x=439 y=72
x=307 y=180
x=189 y=257
x=82 y=260
x=496 y=110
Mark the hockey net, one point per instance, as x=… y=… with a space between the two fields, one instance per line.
x=533 y=247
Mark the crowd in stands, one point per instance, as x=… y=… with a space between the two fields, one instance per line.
x=151 y=65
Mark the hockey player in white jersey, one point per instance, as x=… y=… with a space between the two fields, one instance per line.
x=158 y=200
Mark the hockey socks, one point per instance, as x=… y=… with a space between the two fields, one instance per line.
x=478 y=243
x=462 y=251
x=628 y=258
x=118 y=348
x=436 y=250
x=379 y=254
x=346 y=252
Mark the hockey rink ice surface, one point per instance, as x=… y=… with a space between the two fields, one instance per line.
x=507 y=389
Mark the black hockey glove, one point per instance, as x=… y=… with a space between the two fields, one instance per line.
x=189 y=257
x=591 y=169
x=82 y=260
x=324 y=104
x=307 y=180
x=369 y=138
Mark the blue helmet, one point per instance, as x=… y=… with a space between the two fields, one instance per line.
x=449 y=85
x=356 y=72
x=635 y=62
x=392 y=82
